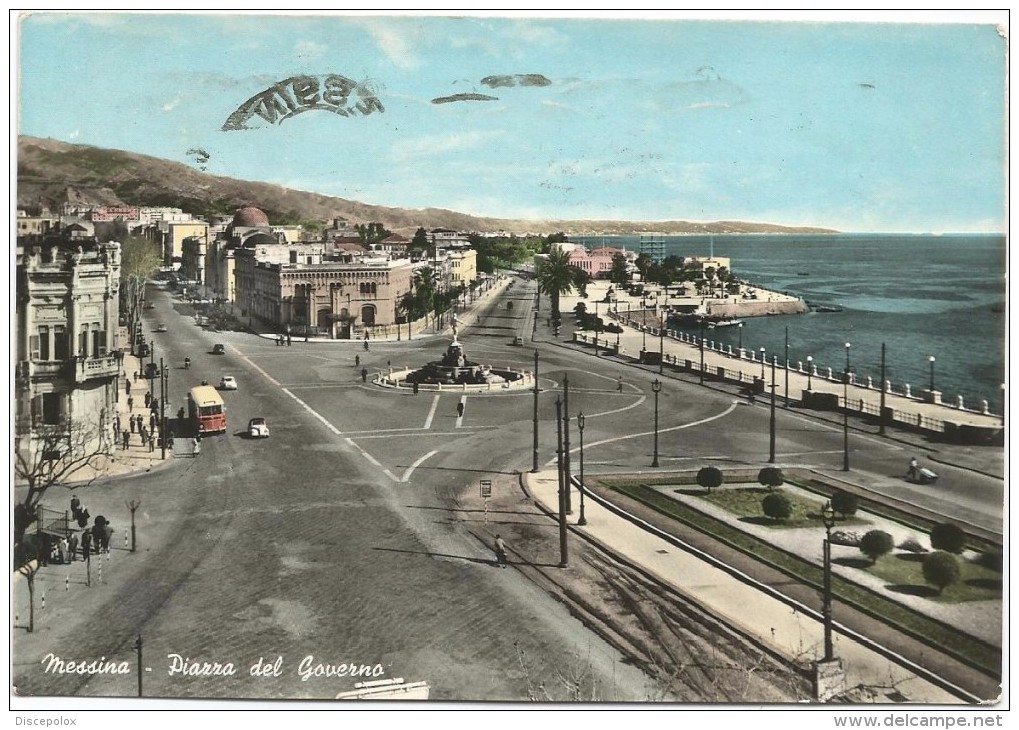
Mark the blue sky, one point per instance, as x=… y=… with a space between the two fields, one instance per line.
x=859 y=126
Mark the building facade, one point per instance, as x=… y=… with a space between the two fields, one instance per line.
x=68 y=356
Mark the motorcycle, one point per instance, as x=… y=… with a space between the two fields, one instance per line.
x=187 y=363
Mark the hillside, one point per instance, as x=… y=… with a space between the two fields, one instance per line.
x=51 y=173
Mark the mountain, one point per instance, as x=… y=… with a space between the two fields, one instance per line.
x=51 y=173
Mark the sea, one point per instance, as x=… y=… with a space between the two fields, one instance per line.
x=919 y=295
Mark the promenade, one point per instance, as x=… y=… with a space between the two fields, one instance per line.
x=819 y=387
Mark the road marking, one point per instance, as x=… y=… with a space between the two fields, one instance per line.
x=412 y=467
x=459 y=417
x=431 y=413
x=372 y=459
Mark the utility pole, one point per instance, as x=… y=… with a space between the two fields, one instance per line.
x=534 y=467
x=771 y=432
x=164 y=388
x=881 y=417
x=786 y=405
x=563 y=552
x=566 y=442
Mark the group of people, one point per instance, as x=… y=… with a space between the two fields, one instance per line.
x=283 y=340
x=95 y=539
x=136 y=422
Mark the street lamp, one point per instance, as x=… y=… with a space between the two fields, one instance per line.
x=810 y=370
x=643 y=309
x=771 y=428
x=930 y=359
x=762 y=363
x=740 y=325
x=580 y=427
x=661 y=341
x=828 y=517
x=845 y=413
x=656 y=387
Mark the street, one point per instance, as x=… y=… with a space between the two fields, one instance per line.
x=333 y=539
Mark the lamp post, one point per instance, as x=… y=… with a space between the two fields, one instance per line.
x=740 y=326
x=656 y=388
x=597 y=322
x=786 y=402
x=930 y=359
x=643 y=309
x=845 y=413
x=702 y=353
x=828 y=517
x=661 y=342
x=762 y=363
x=580 y=427
x=771 y=427
x=810 y=370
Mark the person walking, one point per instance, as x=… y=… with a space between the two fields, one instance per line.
x=152 y=442
x=180 y=413
x=914 y=469
x=134 y=424
x=500 y=551
x=130 y=403
x=126 y=436
x=364 y=375
x=460 y=409
x=107 y=536
x=141 y=422
x=72 y=546
x=75 y=506
x=86 y=544
x=619 y=384
x=357 y=361
x=196 y=446
x=152 y=422
x=118 y=426
x=148 y=399
x=62 y=551
x=127 y=385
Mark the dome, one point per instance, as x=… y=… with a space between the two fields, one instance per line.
x=250 y=217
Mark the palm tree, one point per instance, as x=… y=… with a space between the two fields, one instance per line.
x=556 y=277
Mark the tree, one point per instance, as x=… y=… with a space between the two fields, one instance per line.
x=844 y=503
x=140 y=258
x=556 y=277
x=52 y=454
x=949 y=537
x=619 y=273
x=941 y=570
x=770 y=477
x=644 y=263
x=580 y=280
x=777 y=506
x=371 y=232
x=420 y=240
x=710 y=477
x=875 y=544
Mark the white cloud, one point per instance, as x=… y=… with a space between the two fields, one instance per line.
x=173 y=103
x=396 y=42
x=74 y=135
x=439 y=145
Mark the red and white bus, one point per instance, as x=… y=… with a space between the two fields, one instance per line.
x=206 y=409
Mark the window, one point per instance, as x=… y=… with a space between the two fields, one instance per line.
x=98 y=342
x=52 y=406
x=60 y=349
x=44 y=343
x=83 y=341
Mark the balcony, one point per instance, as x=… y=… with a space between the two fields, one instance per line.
x=91 y=368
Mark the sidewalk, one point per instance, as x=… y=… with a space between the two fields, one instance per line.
x=770 y=621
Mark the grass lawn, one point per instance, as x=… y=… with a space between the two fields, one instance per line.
x=745 y=503
x=904 y=574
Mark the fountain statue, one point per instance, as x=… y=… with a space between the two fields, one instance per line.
x=455 y=369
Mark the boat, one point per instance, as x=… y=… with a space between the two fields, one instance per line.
x=826 y=308
x=803 y=273
x=729 y=322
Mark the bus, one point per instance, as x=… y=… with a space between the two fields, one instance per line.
x=206 y=409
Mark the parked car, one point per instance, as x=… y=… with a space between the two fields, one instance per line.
x=218 y=349
x=258 y=428
x=228 y=383
x=161 y=327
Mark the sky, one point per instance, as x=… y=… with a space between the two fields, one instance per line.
x=858 y=126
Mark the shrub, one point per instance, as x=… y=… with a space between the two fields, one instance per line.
x=710 y=477
x=912 y=545
x=948 y=537
x=992 y=560
x=770 y=477
x=941 y=569
x=875 y=544
x=844 y=503
x=777 y=506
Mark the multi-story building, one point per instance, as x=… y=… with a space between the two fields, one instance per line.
x=171 y=236
x=68 y=356
x=295 y=286
x=462 y=266
x=35 y=225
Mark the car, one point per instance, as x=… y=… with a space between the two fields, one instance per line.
x=218 y=349
x=258 y=428
x=228 y=383
x=161 y=327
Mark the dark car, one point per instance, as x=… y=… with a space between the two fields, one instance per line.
x=218 y=349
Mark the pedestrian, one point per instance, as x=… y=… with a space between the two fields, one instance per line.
x=196 y=445
x=619 y=384
x=500 y=551
x=460 y=409
x=72 y=546
x=148 y=399
x=62 y=551
x=366 y=344
x=127 y=385
x=180 y=413
x=141 y=422
x=86 y=544
x=154 y=406
x=357 y=361
x=97 y=536
x=83 y=518
x=118 y=426
x=126 y=436
x=288 y=339
x=135 y=374
x=914 y=469
x=75 y=506
x=152 y=442
x=134 y=424
x=130 y=403
x=152 y=422
x=364 y=375
x=107 y=536
x=144 y=433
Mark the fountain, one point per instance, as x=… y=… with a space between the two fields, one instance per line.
x=455 y=369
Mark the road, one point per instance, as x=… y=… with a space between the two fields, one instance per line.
x=334 y=539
